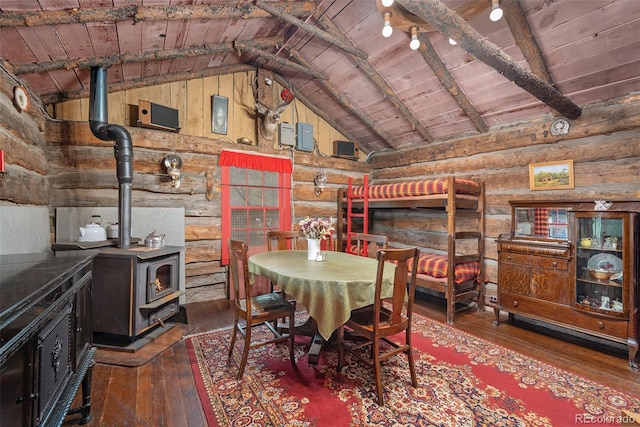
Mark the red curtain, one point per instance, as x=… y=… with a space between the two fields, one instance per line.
x=255 y=161
x=541 y=224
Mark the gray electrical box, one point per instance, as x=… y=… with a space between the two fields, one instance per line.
x=305 y=137
x=287 y=134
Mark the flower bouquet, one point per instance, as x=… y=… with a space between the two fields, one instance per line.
x=317 y=228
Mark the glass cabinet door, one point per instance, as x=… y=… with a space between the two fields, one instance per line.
x=600 y=262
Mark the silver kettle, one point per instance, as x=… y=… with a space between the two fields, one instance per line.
x=154 y=240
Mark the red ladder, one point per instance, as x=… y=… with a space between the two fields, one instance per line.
x=351 y=214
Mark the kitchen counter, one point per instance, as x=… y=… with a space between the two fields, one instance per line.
x=46 y=347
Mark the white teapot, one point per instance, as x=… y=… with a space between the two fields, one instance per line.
x=93 y=232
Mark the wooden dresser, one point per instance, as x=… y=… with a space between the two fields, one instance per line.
x=577 y=269
x=46 y=349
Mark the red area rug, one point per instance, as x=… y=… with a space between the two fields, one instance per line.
x=463 y=381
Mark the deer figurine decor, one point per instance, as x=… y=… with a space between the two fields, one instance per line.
x=270 y=116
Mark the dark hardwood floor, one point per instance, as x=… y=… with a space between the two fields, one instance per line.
x=162 y=392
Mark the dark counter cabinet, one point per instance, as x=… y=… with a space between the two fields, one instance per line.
x=46 y=348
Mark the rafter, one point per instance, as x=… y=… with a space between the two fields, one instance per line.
x=243 y=46
x=517 y=21
x=347 y=47
x=344 y=101
x=379 y=81
x=81 y=15
x=449 y=82
x=133 y=57
x=453 y=26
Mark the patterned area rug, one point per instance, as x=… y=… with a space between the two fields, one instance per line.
x=463 y=381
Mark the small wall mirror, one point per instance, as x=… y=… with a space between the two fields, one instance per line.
x=541 y=222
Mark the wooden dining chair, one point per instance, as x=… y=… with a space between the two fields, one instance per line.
x=377 y=322
x=368 y=244
x=257 y=310
x=282 y=241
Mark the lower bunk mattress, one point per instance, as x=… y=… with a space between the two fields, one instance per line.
x=436 y=267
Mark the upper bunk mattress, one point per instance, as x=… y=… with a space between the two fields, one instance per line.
x=413 y=189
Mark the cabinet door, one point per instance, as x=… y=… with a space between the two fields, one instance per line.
x=550 y=285
x=602 y=264
x=514 y=278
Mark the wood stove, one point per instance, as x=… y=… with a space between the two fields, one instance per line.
x=134 y=290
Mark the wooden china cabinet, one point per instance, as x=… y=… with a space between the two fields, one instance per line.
x=569 y=265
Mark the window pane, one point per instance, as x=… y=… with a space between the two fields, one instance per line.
x=254 y=178
x=256 y=219
x=238 y=219
x=257 y=238
x=237 y=196
x=237 y=176
x=270 y=197
x=272 y=219
x=271 y=179
x=255 y=197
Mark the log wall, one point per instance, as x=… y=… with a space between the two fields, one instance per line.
x=60 y=163
x=83 y=174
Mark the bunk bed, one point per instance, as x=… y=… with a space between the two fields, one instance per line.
x=455 y=198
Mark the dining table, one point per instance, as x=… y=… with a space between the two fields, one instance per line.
x=328 y=289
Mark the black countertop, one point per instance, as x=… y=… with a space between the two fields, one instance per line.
x=26 y=278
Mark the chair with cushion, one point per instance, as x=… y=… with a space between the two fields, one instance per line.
x=375 y=323
x=282 y=241
x=368 y=244
x=254 y=311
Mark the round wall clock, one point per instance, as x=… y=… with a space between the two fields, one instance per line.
x=559 y=127
x=20 y=98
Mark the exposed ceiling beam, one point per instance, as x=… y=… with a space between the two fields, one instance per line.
x=250 y=48
x=449 y=82
x=517 y=21
x=402 y=19
x=133 y=57
x=453 y=26
x=81 y=15
x=347 y=47
x=150 y=81
x=344 y=100
x=376 y=78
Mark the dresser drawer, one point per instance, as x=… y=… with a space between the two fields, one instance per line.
x=535 y=261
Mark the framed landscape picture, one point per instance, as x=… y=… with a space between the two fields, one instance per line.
x=551 y=175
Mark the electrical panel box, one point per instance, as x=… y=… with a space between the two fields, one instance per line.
x=287 y=134
x=305 y=137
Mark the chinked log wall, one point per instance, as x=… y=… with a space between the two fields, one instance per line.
x=603 y=144
x=83 y=174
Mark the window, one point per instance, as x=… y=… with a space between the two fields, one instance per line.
x=256 y=198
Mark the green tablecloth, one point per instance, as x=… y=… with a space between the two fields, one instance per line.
x=329 y=289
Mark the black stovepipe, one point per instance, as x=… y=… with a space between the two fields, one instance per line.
x=123 y=150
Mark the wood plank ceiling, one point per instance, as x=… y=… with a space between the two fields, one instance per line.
x=543 y=58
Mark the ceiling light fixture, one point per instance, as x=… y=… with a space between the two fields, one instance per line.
x=387 y=30
x=415 y=43
x=496 y=12
x=387 y=3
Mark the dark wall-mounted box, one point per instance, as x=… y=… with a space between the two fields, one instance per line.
x=155 y=116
